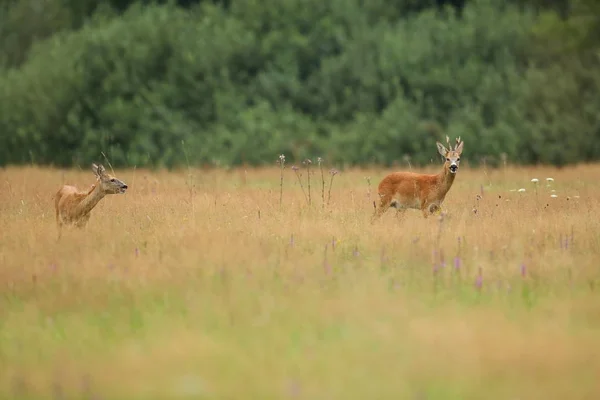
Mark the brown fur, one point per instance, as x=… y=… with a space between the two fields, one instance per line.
x=73 y=207
x=424 y=192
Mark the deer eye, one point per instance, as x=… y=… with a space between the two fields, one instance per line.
x=458 y=159
x=447 y=159
x=112 y=180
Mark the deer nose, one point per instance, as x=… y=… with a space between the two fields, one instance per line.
x=124 y=186
x=453 y=167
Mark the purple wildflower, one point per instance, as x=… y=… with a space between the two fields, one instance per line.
x=294 y=389
x=457 y=262
x=479 y=279
x=560 y=241
x=523 y=270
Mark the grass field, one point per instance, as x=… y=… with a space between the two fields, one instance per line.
x=196 y=284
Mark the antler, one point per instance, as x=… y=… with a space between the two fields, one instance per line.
x=450 y=148
x=457 y=142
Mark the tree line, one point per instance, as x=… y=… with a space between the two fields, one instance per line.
x=169 y=83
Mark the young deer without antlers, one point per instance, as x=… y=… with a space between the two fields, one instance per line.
x=73 y=207
x=403 y=190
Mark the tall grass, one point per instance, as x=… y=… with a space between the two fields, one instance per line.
x=160 y=299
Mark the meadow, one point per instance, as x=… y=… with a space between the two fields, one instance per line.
x=206 y=284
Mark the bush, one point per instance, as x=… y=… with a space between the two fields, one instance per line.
x=163 y=85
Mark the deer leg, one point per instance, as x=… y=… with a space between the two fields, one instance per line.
x=81 y=224
x=425 y=208
x=384 y=204
x=430 y=209
x=58 y=224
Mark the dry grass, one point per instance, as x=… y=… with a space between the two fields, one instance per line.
x=201 y=287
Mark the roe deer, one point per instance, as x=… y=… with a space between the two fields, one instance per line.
x=74 y=207
x=403 y=190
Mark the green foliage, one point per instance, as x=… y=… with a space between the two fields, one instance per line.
x=564 y=97
x=353 y=82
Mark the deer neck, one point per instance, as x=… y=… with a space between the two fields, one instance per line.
x=89 y=202
x=445 y=179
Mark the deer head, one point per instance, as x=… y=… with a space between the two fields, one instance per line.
x=451 y=155
x=108 y=183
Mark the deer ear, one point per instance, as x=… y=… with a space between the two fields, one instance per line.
x=98 y=170
x=441 y=149
x=459 y=148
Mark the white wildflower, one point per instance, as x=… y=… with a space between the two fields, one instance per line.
x=535 y=180
x=521 y=190
x=553 y=196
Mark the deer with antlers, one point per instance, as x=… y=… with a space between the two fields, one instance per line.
x=73 y=207
x=404 y=190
